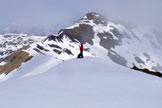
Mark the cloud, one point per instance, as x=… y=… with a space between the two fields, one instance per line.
x=62 y=13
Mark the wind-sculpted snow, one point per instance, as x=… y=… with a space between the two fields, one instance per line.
x=83 y=83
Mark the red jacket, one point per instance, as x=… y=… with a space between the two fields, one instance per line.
x=81 y=47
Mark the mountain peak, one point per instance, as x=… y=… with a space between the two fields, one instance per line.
x=115 y=39
x=93 y=14
x=96 y=17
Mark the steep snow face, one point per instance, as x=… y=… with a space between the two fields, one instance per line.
x=141 y=49
x=88 y=83
x=106 y=39
x=13 y=42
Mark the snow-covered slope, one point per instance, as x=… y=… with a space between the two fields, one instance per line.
x=83 y=83
x=12 y=42
x=38 y=64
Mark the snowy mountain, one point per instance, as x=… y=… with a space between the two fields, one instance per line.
x=101 y=37
x=106 y=39
x=12 y=42
x=82 y=83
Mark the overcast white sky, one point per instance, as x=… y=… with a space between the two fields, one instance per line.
x=62 y=13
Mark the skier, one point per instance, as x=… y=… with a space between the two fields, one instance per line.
x=81 y=51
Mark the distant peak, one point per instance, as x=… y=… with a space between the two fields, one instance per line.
x=96 y=17
x=94 y=14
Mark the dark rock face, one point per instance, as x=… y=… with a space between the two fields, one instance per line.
x=84 y=33
x=54 y=38
x=55 y=46
x=57 y=51
x=68 y=51
x=97 y=18
x=41 y=48
x=116 y=32
x=107 y=40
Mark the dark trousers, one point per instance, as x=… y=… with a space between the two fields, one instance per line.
x=80 y=54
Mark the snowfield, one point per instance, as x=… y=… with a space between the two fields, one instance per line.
x=83 y=83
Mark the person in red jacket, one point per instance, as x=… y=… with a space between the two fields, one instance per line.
x=81 y=51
